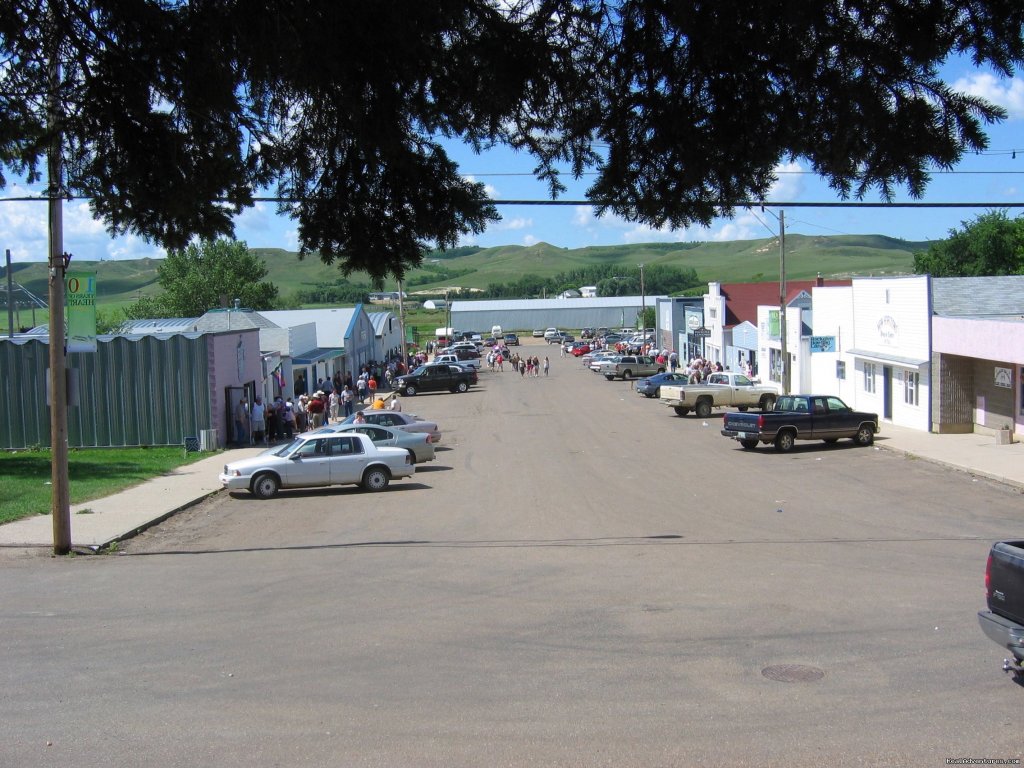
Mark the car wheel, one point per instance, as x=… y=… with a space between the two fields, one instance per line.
x=743 y=408
x=865 y=435
x=265 y=485
x=768 y=403
x=831 y=440
x=703 y=409
x=376 y=479
x=412 y=456
x=681 y=411
x=785 y=440
x=462 y=387
x=410 y=390
x=610 y=378
x=627 y=375
x=749 y=444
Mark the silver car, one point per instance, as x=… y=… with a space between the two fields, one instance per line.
x=418 y=444
x=313 y=460
x=410 y=422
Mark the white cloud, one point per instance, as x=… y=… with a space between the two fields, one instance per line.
x=530 y=240
x=789 y=184
x=519 y=222
x=1007 y=93
x=489 y=189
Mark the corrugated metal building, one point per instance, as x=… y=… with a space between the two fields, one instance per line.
x=524 y=315
x=154 y=389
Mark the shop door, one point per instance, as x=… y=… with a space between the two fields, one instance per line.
x=887 y=392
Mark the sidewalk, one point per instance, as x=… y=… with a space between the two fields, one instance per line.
x=100 y=522
x=97 y=523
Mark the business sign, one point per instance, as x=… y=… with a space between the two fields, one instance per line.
x=823 y=344
x=80 y=299
x=701 y=333
x=1003 y=377
x=693 y=322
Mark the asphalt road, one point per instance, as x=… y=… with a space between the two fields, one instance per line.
x=580 y=579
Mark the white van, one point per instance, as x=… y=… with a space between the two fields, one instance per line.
x=496 y=332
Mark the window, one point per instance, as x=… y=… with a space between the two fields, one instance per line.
x=910 y=385
x=841 y=369
x=869 y=377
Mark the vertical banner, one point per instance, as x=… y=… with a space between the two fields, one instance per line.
x=774 y=324
x=80 y=299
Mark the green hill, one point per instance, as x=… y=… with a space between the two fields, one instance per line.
x=123 y=282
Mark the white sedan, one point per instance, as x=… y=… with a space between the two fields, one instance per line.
x=313 y=460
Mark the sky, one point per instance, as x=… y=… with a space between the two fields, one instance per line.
x=995 y=177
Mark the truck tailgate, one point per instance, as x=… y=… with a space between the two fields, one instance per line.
x=1005 y=580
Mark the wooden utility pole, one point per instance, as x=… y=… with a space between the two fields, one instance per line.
x=60 y=508
x=784 y=352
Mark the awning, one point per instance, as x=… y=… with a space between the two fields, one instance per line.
x=881 y=357
x=318 y=355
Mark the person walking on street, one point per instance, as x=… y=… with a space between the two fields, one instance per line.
x=242 y=421
x=547 y=365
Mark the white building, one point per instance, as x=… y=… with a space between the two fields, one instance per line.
x=872 y=347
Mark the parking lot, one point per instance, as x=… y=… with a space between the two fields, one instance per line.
x=580 y=578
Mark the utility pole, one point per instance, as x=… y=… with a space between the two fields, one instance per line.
x=643 y=305
x=401 y=325
x=60 y=508
x=784 y=370
x=10 y=298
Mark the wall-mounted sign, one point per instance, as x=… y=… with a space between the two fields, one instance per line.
x=887 y=329
x=1004 y=378
x=701 y=333
x=823 y=344
x=693 y=322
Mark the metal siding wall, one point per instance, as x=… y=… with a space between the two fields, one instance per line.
x=150 y=391
x=24 y=415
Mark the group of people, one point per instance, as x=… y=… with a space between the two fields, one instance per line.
x=262 y=423
x=525 y=366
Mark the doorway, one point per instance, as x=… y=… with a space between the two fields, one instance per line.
x=887 y=392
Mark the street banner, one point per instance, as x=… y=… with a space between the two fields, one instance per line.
x=80 y=293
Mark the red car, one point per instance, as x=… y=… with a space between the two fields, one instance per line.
x=580 y=348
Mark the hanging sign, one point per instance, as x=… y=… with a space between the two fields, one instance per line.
x=823 y=344
x=80 y=299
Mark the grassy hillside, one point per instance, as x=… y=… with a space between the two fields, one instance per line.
x=123 y=282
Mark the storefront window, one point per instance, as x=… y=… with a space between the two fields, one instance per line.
x=911 y=379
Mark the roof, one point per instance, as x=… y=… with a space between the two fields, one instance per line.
x=743 y=299
x=317 y=355
x=992 y=296
x=379 y=320
x=496 y=305
x=160 y=325
x=331 y=323
x=232 y=320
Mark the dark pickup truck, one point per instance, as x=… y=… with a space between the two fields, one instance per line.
x=802 y=417
x=436 y=377
x=1003 y=622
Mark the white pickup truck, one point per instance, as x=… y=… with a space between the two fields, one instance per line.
x=721 y=390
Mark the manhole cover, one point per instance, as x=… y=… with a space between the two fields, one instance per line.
x=793 y=673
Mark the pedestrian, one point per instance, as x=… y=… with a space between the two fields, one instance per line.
x=347 y=397
x=378 y=404
x=333 y=403
x=316 y=408
x=288 y=417
x=257 y=418
x=242 y=421
x=396 y=403
x=547 y=365
x=361 y=389
x=371 y=387
x=359 y=418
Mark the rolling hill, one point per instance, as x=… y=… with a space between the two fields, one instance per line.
x=123 y=282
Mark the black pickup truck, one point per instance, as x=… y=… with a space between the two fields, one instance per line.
x=1003 y=622
x=802 y=417
x=436 y=377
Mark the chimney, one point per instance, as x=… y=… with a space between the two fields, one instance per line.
x=820 y=281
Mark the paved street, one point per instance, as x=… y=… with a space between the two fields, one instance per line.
x=580 y=579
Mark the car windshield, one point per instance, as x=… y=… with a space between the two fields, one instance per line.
x=287 y=449
x=419 y=371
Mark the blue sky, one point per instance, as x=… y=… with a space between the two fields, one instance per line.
x=993 y=177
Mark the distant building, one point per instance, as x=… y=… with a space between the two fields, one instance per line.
x=435 y=304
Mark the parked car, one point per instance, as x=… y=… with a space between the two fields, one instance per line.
x=410 y=422
x=629 y=366
x=511 y=340
x=587 y=333
x=560 y=338
x=602 y=358
x=580 y=348
x=435 y=377
x=802 y=417
x=1003 y=622
x=725 y=389
x=538 y=333
x=549 y=332
x=651 y=386
x=612 y=338
x=418 y=444
x=314 y=460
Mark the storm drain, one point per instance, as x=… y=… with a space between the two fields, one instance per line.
x=793 y=673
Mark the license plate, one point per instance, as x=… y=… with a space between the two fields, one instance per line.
x=741 y=435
